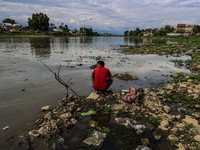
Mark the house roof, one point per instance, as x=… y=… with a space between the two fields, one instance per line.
x=181 y=25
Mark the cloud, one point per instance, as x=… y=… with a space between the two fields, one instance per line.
x=106 y=14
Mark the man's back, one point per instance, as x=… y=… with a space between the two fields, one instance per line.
x=101 y=75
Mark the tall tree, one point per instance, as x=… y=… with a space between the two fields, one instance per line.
x=81 y=29
x=65 y=28
x=136 y=32
x=8 y=20
x=126 y=33
x=52 y=26
x=196 y=29
x=168 y=29
x=39 y=22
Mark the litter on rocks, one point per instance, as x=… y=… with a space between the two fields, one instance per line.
x=6 y=127
x=96 y=139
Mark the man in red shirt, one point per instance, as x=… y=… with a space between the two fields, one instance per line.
x=101 y=77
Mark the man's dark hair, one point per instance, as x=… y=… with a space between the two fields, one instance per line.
x=101 y=63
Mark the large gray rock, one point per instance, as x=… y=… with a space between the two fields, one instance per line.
x=125 y=76
x=96 y=139
x=93 y=95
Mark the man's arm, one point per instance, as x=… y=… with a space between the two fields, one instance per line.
x=110 y=78
x=110 y=75
x=92 y=74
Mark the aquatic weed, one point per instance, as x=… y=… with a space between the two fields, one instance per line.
x=103 y=129
x=155 y=120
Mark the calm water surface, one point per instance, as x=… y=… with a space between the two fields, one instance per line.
x=20 y=68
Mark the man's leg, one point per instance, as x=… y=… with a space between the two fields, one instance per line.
x=109 y=83
x=92 y=80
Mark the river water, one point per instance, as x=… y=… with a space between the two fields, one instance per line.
x=20 y=68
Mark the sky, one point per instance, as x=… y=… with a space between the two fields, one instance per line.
x=113 y=16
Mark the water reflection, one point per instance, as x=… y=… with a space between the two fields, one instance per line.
x=59 y=45
x=147 y=41
x=135 y=41
x=40 y=47
x=88 y=40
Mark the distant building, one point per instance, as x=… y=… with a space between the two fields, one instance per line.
x=148 y=32
x=180 y=28
x=7 y=26
x=74 y=32
x=189 y=28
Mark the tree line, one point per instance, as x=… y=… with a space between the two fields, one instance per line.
x=40 y=22
x=157 y=32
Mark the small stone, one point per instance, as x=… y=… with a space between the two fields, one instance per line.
x=98 y=58
x=25 y=79
x=156 y=135
x=180 y=146
x=197 y=138
x=172 y=138
x=47 y=116
x=183 y=85
x=73 y=121
x=33 y=134
x=54 y=124
x=46 y=108
x=65 y=116
x=79 y=64
x=197 y=106
x=78 y=109
x=145 y=141
x=169 y=87
x=166 y=109
x=23 y=89
x=63 y=99
x=165 y=75
x=70 y=96
x=195 y=115
x=178 y=117
x=164 y=126
x=44 y=130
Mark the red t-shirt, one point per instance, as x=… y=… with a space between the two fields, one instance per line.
x=100 y=76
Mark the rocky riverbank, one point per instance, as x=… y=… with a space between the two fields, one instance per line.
x=169 y=112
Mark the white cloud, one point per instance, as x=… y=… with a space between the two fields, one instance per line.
x=106 y=14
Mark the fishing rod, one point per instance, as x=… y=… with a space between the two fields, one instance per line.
x=59 y=79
